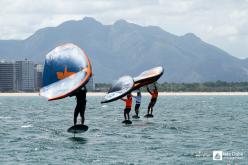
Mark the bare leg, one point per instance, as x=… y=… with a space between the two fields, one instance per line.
x=125 y=114
x=137 y=109
x=153 y=104
x=149 y=107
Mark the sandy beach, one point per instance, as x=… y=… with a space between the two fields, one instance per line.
x=147 y=94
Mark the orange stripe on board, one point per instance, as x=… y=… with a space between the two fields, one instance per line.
x=62 y=75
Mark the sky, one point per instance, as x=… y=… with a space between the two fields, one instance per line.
x=223 y=23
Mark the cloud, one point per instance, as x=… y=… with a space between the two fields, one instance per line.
x=223 y=22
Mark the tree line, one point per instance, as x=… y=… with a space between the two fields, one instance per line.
x=218 y=86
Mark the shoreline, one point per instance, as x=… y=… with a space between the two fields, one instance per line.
x=147 y=94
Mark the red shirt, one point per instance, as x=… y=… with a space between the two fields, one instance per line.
x=128 y=102
x=154 y=94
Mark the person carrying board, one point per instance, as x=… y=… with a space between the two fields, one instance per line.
x=137 y=104
x=154 y=94
x=128 y=107
x=81 y=104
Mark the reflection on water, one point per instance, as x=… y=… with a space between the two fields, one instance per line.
x=78 y=140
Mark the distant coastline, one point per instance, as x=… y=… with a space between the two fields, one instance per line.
x=147 y=94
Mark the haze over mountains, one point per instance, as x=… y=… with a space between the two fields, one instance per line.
x=126 y=48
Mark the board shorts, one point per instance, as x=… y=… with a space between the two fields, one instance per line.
x=127 y=110
x=137 y=106
x=153 y=100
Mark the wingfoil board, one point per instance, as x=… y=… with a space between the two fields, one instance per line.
x=78 y=128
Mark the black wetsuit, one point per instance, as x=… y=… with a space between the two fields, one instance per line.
x=81 y=104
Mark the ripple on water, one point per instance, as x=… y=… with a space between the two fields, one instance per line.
x=27 y=126
x=33 y=131
x=5 y=117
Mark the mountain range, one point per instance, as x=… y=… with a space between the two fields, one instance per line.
x=125 y=48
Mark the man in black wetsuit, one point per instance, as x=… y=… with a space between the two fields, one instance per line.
x=81 y=104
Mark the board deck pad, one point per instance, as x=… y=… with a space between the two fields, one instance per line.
x=149 y=116
x=127 y=122
x=79 y=128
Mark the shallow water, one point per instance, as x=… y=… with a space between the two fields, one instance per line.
x=184 y=130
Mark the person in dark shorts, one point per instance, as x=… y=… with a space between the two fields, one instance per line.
x=137 y=104
x=128 y=107
x=81 y=104
x=154 y=94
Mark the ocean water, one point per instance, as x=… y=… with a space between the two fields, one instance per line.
x=184 y=130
